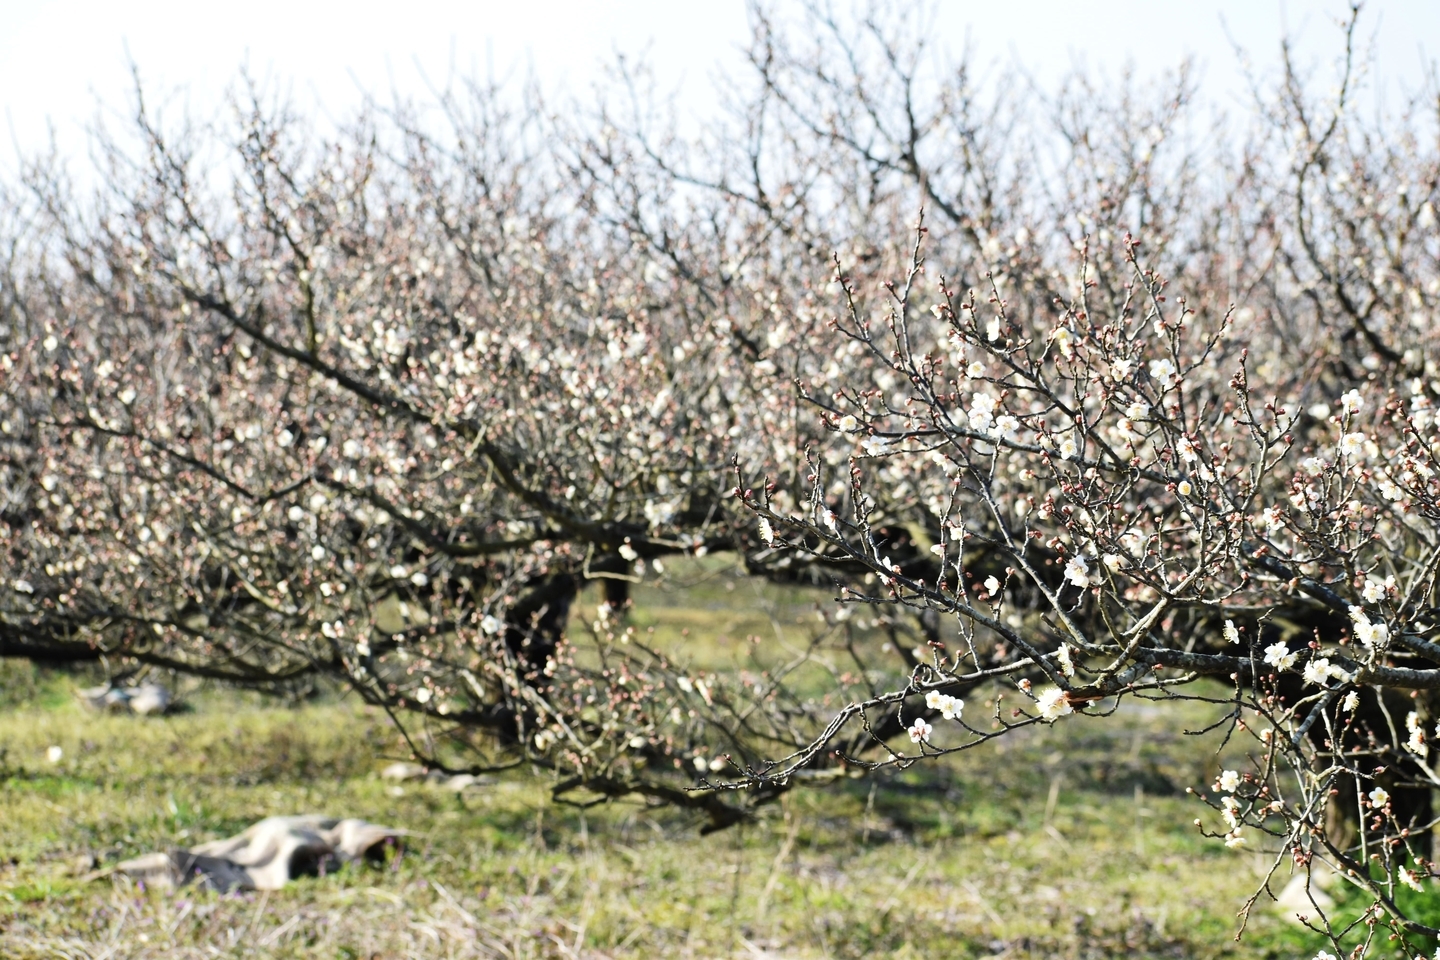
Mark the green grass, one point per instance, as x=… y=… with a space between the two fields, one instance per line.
x=956 y=862
x=1069 y=841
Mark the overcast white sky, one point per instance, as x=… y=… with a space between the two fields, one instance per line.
x=58 y=59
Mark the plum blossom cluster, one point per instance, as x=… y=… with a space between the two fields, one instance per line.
x=947 y=706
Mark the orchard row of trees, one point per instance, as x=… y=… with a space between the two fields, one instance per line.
x=1082 y=396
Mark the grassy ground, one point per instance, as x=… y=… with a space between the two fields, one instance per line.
x=1071 y=841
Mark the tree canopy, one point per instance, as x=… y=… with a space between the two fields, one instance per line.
x=1093 y=395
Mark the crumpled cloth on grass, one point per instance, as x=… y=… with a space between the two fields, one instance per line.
x=146 y=699
x=267 y=855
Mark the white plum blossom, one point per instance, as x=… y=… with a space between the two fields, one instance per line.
x=1352 y=402
x=831 y=521
x=849 y=424
x=1113 y=562
x=1317 y=671
x=1233 y=839
x=1065 y=340
x=1370 y=634
x=1068 y=449
x=1416 y=742
x=1186 y=449
x=660 y=513
x=1321 y=669
x=22 y=586
x=1053 y=703
x=1375 y=590
x=1067 y=666
x=1408 y=877
x=992 y=586
x=1138 y=410
x=1228 y=782
x=975 y=370
x=1278 y=655
x=1352 y=446
x=982 y=412
x=1232 y=633
x=1163 y=370
x=1230 y=810
x=491 y=624
x=949 y=707
x=1351 y=701
x=1273 y=519
x=767 y=533
x=1077 y=571
x=944 y=463
x=1379 y=797
x=920 y=731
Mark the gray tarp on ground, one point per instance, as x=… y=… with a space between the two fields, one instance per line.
x=266 y=856
x=145 y=699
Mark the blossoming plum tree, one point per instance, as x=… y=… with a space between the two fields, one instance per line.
x=375 y=409
x=1132 y=412
x=1150 y=444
